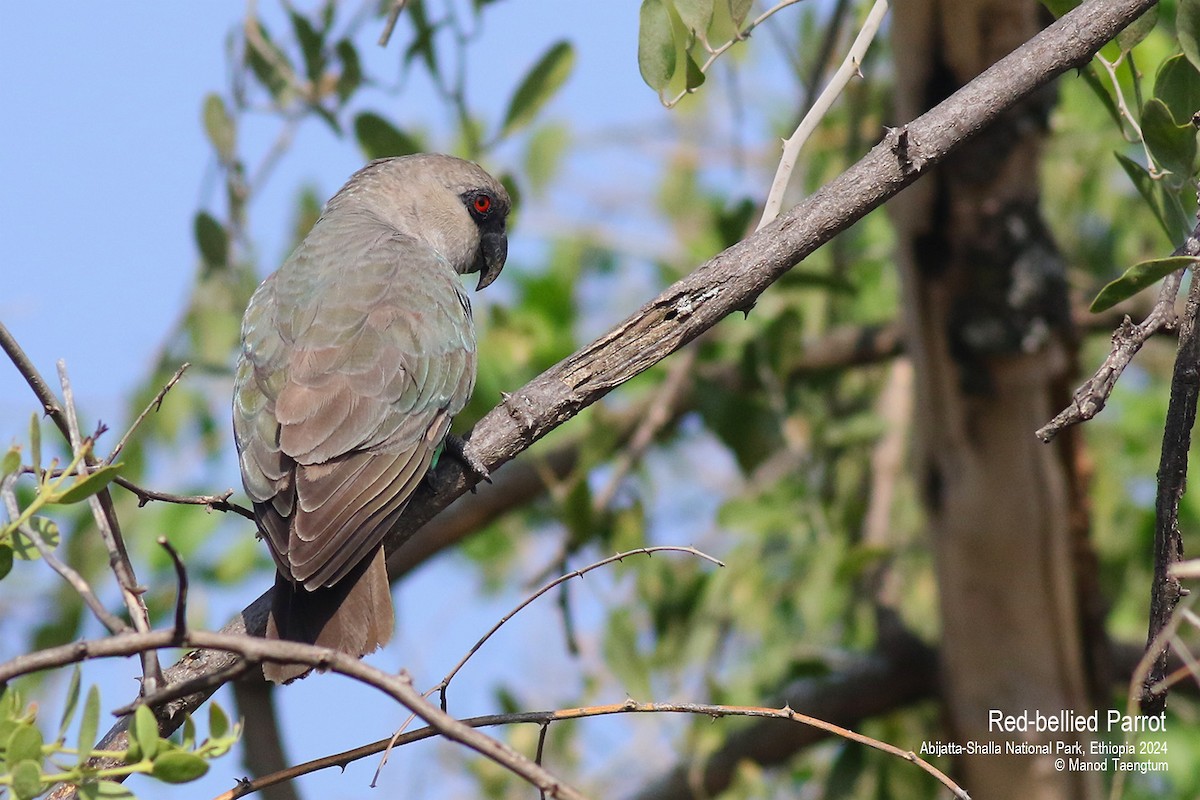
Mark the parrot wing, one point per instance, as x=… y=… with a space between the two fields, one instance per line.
x=353 y=365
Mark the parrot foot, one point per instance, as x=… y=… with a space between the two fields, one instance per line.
x=457 y=447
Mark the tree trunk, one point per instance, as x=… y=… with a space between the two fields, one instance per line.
x=986 y=310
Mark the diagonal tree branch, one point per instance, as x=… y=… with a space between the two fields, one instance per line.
x=727 y=283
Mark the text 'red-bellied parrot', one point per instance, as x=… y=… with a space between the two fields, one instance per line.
x=355 y=356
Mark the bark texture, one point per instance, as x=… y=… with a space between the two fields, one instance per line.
x=988 y=327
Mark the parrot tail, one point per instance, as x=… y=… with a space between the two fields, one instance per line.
x=354 y=616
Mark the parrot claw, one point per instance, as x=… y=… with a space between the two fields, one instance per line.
x=457 y=446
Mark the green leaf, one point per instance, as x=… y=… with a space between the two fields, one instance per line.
x=188 y=738
x=1177 y=84
x=351 y=76
x=378 y=138
x=85 y=487
x=212 y=240
x=27 y=780
x=693 y=75
x=89 y=723
x=311 y=46
x=1138 y=30
x=25 y=744
x=738 y=9
x=6 y=560
x=696 y=14
x=269 y=68
x=177 y=766
x=538 y=86
x=656 y=46
x=219 y=127
x=145 y=729
x=105 y=789
x=1060 y=7
x=544 y=154
x=1148 y=188
x=72 y=701
x=35 y=442
x=218 y=721
x=11 y=462
x=24 y=548
x=1187 y=28
x=1173 y=146
x=1136 y=278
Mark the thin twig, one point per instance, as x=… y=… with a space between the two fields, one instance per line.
x=256 y=649
x=154 y=405
x=110 y=531
x=181 y=592
x=390 y=24
x=111 y=621
x=445 y=682
x=1090 y=398
x=740 y=36
x=214 y=502
x=545 y=718
x=203 y=683
x=792 y=145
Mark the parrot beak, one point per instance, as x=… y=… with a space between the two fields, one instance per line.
x=493 y=249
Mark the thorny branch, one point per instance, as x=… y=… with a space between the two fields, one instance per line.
x=545 y=718
x=105 y=516
x=258 y=650
x=1089 y=399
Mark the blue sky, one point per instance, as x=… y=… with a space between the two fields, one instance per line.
x=104 y=165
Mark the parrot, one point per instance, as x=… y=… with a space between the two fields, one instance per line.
x=355 y=356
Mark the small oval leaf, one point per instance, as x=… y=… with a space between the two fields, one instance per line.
x=656 y=46
x=25 y=744
x=539 y=85
x=1138 y=277
x=88 y=724
x=27 y=780
x=219 y=127
x=6 y=560
x=85 y=487
x=72 y=702
x=178 y=766
x=11 y=462
x=218 y=721
x=1187 y=28
x=1173 y=146
x=145 y=728
x=738 y=10
x=379 y=138
x=1138 y=30
x=24 y=548
x=1177 y=84
x=696 y=14
x=211 y=239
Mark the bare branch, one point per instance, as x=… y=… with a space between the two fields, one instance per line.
x=111 y=621
x=214 y=502
x=579 y=573
x=792 y=145
x=1089 y=399
x=105 y=516
x=398 y=687
x=154 y=405
x=181 y=592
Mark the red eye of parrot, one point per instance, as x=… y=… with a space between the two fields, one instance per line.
x=482 y=204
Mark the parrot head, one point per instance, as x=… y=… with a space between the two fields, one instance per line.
x=449 y=204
